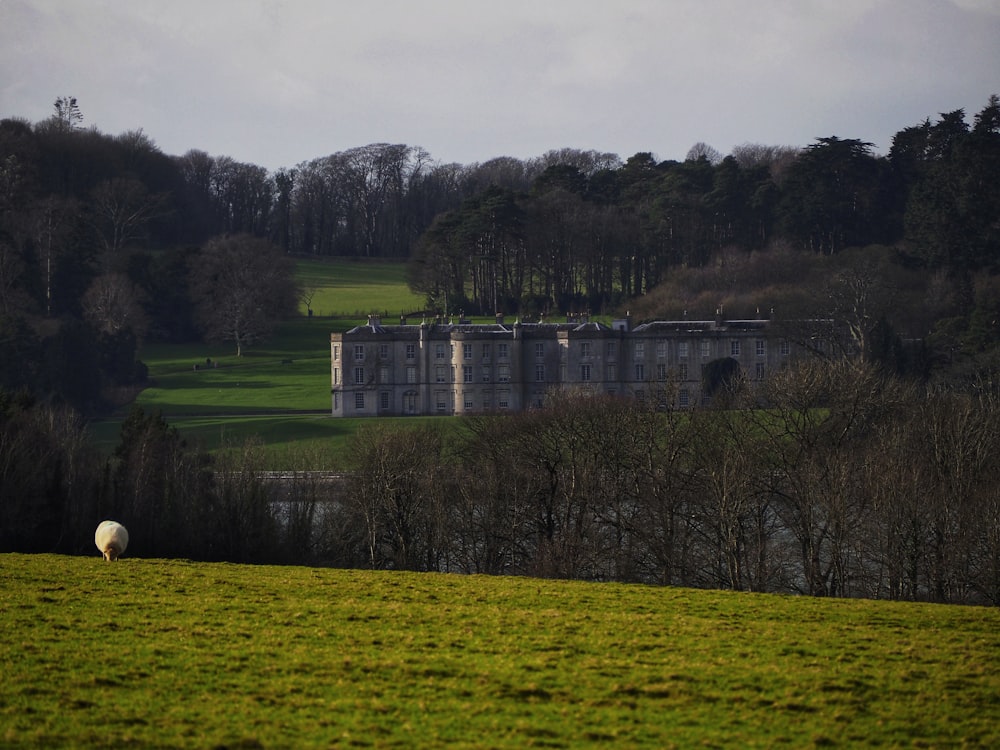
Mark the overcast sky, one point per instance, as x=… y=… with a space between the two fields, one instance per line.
x=278 y=82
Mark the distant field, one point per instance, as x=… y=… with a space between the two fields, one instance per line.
x=355 y=288
x=157 y=653
x=278 y=391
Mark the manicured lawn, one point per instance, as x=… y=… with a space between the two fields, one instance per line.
x=157 y=653
x=354 y=288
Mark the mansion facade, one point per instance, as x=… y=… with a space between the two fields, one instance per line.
x=451 y=368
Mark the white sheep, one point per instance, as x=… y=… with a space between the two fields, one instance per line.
x=111 y=539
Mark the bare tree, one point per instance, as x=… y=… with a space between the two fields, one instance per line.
x=111 y=305
x=242 y=286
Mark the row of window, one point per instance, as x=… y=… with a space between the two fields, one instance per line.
x=446 y=374
x=446 y=351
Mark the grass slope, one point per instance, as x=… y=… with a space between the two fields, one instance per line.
x=157 y=653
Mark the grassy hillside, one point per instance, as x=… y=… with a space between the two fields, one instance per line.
x=156 y=653
x=279 y=391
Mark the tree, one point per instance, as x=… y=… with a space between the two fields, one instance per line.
x=67 y=113
x=241 y=287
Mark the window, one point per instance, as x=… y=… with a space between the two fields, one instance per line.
x=502 y=351
x=760 y=371
x=661 y=371
x=383 y=374
x=503 y=374
x=439 y=351
x=383 y=400
x=734 y=348
x=640 y=371
x=612 y=350
x=359 y=400
x=539 y=373
x=411 y=351
x=585 y=373
x=441 y=374
x=612 y=372
x=503 y=399
x=784 y=348
x=640 y=350
x=661 y=349
x=683 y=398
x=468 y=401
x=359 y=352
x=466 y=351
x=441 y=400
x=682 y=372
x=359 y=376
x=538 y=400
x=411 y=374
x=336 y=376
x=336 y=352
x=410 y=402
x=706 y=349
x=466 y=373
x=585 y=349
x=540 y=350
x=682 y=350
x=383 y=351
x=486 y=374
x=761 y=348
x=486 y=351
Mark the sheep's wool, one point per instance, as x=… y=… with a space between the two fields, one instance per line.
x=111 y=539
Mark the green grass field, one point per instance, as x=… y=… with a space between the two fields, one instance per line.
x=158 y=654
x=279 y=390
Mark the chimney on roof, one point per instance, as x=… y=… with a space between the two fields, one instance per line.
x=718 y=315
x=499 y=318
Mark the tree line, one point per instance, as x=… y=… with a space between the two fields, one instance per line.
x=830 y=479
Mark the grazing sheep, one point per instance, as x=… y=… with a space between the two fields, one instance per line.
x=111 y=539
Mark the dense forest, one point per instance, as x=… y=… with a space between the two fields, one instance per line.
x=874 y=479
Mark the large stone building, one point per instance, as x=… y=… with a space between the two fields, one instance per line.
x=464 y=368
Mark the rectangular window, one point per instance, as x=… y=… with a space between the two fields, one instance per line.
x=441 y=374
x=761 y=348
x=466 y=373
x=540 y=350
x=706 y=348
x=760 y=371
x=359 y=400
x=439 y=351
x=503 y=399
x=336 y=376
x=612 y=372
x=411 y=351
x=411 y=374
x=785 y=348
x=486 y=351
x=468 y=402
x=466 y=351
x=683 y=398
x=661 y=371
x=383 y=351
x=502 y=351
x=734 y=348
x=682 y=372
x=539 y=373
x=383 y=400
x=640 y=350
x=682 y=350
x=585 y=349
x=441 y=400
x=585 y=373
x=612 y=350
x=486 y=374
x=359 y=376
x=383 y=374
x=661 y=349
x=359 y=352
x=336 y=352
x=503 y=374
x=640 y=371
